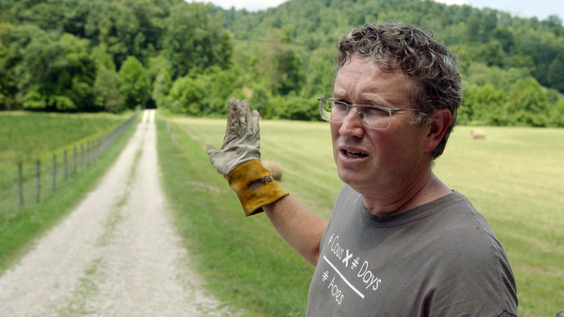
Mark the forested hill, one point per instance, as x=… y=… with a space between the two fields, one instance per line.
x=488 y=36
x=80 y=55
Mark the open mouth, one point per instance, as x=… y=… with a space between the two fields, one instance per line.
x=354 y=154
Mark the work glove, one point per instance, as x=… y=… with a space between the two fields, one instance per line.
x=238 y=159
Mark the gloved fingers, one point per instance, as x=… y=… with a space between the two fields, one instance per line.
x=232 y=128
x=244 y=117
x=241 y=124
x=232 y=114
x=255 y=125
x=216 y=159
x=210 y=149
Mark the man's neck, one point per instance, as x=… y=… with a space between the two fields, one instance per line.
x=416 y=194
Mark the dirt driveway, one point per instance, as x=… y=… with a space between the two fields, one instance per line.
x=116 y=254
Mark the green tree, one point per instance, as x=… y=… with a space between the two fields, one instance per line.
x=289 y=75
x=156 y=65
x=135 y=84
x=54 y=73
x=81 y=67
x=126 y=28
x=320 y=74
x=527 y=104
x=556 y=114
x=206 y=94
x=296 y=108
x=492 y=53
x=8 y=86
x=555 y=73
x=185 y=97
x=218 y=86
x=102 y=58
x=260 y=100
x=194 y=40
x=107 y=91
x=161 y=87
x=482 y=105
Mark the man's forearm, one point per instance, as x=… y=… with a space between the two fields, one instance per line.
x=299 y=227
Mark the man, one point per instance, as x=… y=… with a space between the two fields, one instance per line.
x=399 y=242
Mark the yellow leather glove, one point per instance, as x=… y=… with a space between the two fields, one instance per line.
x=238 y=160
x=254 y=186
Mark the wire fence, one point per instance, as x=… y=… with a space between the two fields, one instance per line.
x=28 y=183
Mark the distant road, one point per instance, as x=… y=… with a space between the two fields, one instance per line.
x=116 y=254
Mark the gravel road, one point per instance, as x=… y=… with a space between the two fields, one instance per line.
x=116 y=254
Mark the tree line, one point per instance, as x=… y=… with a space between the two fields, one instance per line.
x=78 y=55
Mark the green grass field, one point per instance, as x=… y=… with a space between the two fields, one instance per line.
x=514 y=178
x=19 y=228
x=26 y=137
x=28 y=134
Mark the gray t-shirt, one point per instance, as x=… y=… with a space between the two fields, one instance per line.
x=438 y=259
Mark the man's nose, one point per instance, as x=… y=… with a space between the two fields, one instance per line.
x=352 y=125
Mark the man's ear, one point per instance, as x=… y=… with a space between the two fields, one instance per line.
x=437 y=125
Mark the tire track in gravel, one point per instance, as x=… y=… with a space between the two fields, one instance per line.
x=116 y=254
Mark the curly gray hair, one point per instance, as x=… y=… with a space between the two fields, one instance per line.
x=436 y=81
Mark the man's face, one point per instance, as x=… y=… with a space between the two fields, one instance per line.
x=376 y=161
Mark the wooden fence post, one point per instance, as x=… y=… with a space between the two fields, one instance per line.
x=54 y=172
x=38 y=180
x=20 y=184
x=65 y=163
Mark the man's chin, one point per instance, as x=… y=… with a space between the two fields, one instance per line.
x=350 y=177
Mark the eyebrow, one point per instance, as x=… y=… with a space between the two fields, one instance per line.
x=373 y=100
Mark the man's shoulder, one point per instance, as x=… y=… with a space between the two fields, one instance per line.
x=460 y=224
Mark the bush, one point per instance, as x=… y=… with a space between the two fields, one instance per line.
x=527 y=104
x=205 y=94
x=295 y=108
x=184 y=97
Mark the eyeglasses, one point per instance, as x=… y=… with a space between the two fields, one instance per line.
x=371 y=116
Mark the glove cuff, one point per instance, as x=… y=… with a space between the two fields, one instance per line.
x=254 y=186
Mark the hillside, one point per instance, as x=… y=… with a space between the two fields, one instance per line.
x=78 y=55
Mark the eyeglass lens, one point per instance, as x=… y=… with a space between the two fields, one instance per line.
x=370 y=117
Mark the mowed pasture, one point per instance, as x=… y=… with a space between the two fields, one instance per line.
x=28 y=133
x=514 y=177
x=26 y=137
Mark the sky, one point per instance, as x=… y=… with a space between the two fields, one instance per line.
x=523 y=8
